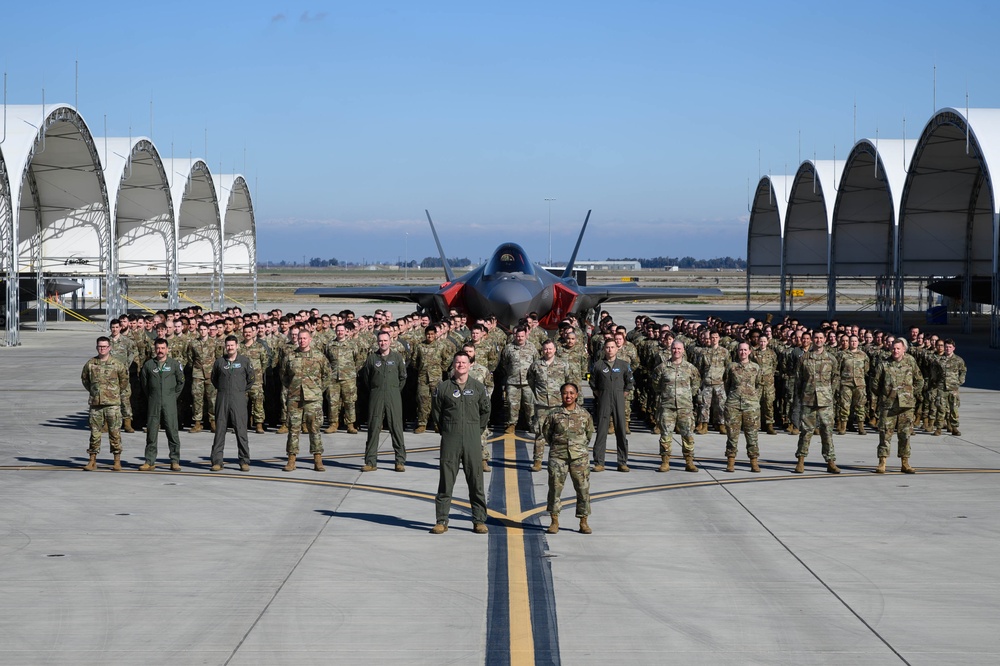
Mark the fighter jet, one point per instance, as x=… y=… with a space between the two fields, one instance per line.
x=508 y=286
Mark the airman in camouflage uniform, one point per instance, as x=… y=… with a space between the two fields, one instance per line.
x=676 y=383
x=124 y=349
x=816 y=384
x=767 y=359
x=106 y=379
x=575 y=355
x=201 y=355
x=342 y=391
x=742 y=381
x=304 y=374
x=854 y=367
x=953 y=371
x=482 y=374
x=516 y=359
x=259 y=357
x=712 y=362
x=568 y=430
x=897 y=383
x=428 y=365
x=546 y=376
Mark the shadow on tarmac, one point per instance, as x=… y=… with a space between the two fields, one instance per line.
x=75 y=421
x=379 y=519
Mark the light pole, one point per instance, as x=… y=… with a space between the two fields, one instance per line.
x=406 y=256
x=550 y=229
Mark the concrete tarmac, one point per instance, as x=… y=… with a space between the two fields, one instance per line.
x=268 y=567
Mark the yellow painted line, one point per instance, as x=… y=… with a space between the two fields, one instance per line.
x=522 y=641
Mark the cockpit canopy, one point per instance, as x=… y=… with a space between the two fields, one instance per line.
x=509 y=258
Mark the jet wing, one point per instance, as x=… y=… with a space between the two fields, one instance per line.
x=618 y=293
x=419 y=295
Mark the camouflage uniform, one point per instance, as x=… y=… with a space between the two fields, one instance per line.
x=712 y=364
x=897 y=383
x=676 y=384
x=305 y=374
x=816 y=382
x=742 y=382
x=427 y=362
x=342 y=391
x=576 y=358
x=108 y=384
x=767 y=359
x=546 y=380
x=953 y=371
x=201 y=357
x=260 y=359
x=483 y=375
x=124 y=349
x=516 y=360
x=854 y=367
x=569 y=434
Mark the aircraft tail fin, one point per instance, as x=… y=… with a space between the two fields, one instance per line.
x=444 y=260
x=572 y=260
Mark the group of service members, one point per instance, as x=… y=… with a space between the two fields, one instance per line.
x=295 y=370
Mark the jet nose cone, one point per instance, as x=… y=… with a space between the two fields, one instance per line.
x=511 y=301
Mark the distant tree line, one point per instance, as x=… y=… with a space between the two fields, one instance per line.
x=316 y=262
x=435 y=262
x=687 y=262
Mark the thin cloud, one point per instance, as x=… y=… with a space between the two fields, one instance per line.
x=278 y=18
x=312 y=18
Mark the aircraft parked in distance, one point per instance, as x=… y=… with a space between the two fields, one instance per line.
x=509 y=286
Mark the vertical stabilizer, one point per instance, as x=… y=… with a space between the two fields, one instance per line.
x=572 y=260
x=444 y=260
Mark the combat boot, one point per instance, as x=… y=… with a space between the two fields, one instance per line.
x=861 y=427
x=927 y=424
x=211 y=424
x=400 y=467
x=623 y=468
x=553 y=526
x=689 y=465
x=92 y=465
x=486 y=466
x=290 y=467
x=831 y=467
x=196 y=428
x=770 y=429
x=584 y=527
x=730 y=463
x=420 y=429
x=536 y=466
x=956 y=432
x=509 y=430
x=330 y=429
x=611 y=428
x=175 y=466
x=937 y=432
x=369 y=468
x=440 y=528
x=701 y=429
x=318 y=462
x=723 y=430
x=628 y=429
x=665 y=465
x=280 y=431
x=656 y=430
x=244 y=467
x=905 y=468
x=260 y=427
x=117 y=465
x=842 y=428
x=146 y=467
x=127 y=426
x=800 y=466
x=881 y=465
x=754 y=467
x=792 y=430
x=351 y=430
x=599 y=467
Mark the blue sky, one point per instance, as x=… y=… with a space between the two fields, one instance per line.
x=351 y=118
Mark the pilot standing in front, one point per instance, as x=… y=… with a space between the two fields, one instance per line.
x=609 y=381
